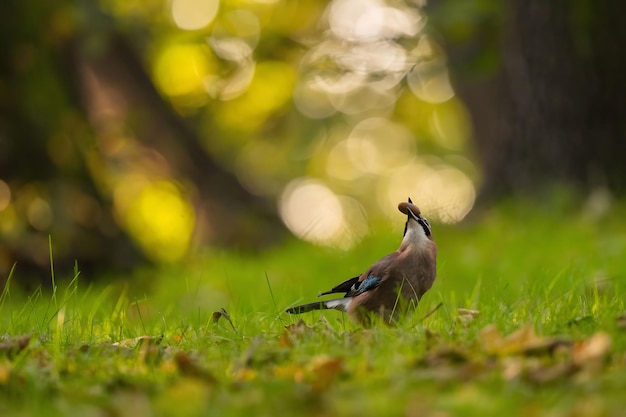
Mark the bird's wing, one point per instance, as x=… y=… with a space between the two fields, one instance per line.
x=367 y=284
x=343 y=287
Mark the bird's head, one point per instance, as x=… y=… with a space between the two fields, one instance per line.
x=415 y=221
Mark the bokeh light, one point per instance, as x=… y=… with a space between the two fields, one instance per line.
x=313 y=212
x=181 y=69
x=377 y=145
x=159 y=217
x=311 y=99
x=194 y=14
x=430 y=83
x=443 y=193
x=268 y=92
x=39 y=214
x=428 y=79
x=364 y=20
x=450 y=125
x=236 y=34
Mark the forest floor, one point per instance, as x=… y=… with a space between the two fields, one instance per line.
x=526 y=318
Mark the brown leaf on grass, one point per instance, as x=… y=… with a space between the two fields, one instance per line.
x=291 y=370
x=5 y=372
x=466 y=316
x=139 y=341
x=217 y=315
x=292 y=331
x=189 y=367
x=592 y=351
x=523 y=341
x=447 y=355
x=544 y=374
x=12 y=345
x=148 y=346
x=298 y=328
x=621 y=321
x=468 y=312
x=322 y=370
x=536 y=370
x=450 y=363
x=285 y=340
x=319 y=372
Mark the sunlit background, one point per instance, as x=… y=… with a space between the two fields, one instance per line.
x=334 y=110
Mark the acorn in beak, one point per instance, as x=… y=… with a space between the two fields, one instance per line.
x=413 y=212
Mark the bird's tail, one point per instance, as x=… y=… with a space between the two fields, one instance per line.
x=340 y=304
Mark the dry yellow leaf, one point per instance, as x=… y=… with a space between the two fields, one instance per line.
x=522 y=341
x=5 y=372
x=189 y=367
x=592 y=350
x=285 y=340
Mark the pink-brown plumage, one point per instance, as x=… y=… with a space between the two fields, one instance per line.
x=393 y=284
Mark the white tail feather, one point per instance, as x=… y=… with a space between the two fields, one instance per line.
x=340 y=304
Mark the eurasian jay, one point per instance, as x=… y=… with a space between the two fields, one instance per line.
x=392 y=284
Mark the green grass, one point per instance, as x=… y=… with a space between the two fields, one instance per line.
x=150 y=344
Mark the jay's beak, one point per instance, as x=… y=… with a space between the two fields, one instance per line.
x=417 y=217
x=410 y=214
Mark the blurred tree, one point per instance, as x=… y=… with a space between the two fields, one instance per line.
x=117 y=95
x=72 y=94
x=545 y=84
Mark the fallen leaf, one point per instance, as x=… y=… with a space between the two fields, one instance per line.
x=544 y=374
x=245 y=374
x=148 y=347
x=298 y=328
x=12 y=345
x=491 y=339
x=443 y=356
x=217 y=315
x=592 y=350
x=5 y=372
x=138 y=342
x=466 y=316
x=289 y=371
x=523 y=341
x=621 y=321
x=512 y=367
x=189 y=367
x=323 y=369
x=285 y=340
x=468 y=312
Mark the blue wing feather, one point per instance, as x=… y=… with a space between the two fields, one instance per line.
x=367 y=284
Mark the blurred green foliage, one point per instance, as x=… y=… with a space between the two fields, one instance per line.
x=347 y=96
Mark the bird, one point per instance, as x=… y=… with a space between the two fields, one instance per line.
x=392 y=284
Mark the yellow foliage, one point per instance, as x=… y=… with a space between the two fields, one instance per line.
x=269 y=91
x=162 y=221
x=181 y=69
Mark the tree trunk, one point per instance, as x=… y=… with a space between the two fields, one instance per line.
x=113 y=83
x=556 y=110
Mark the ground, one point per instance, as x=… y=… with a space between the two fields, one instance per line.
x=526 y=317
